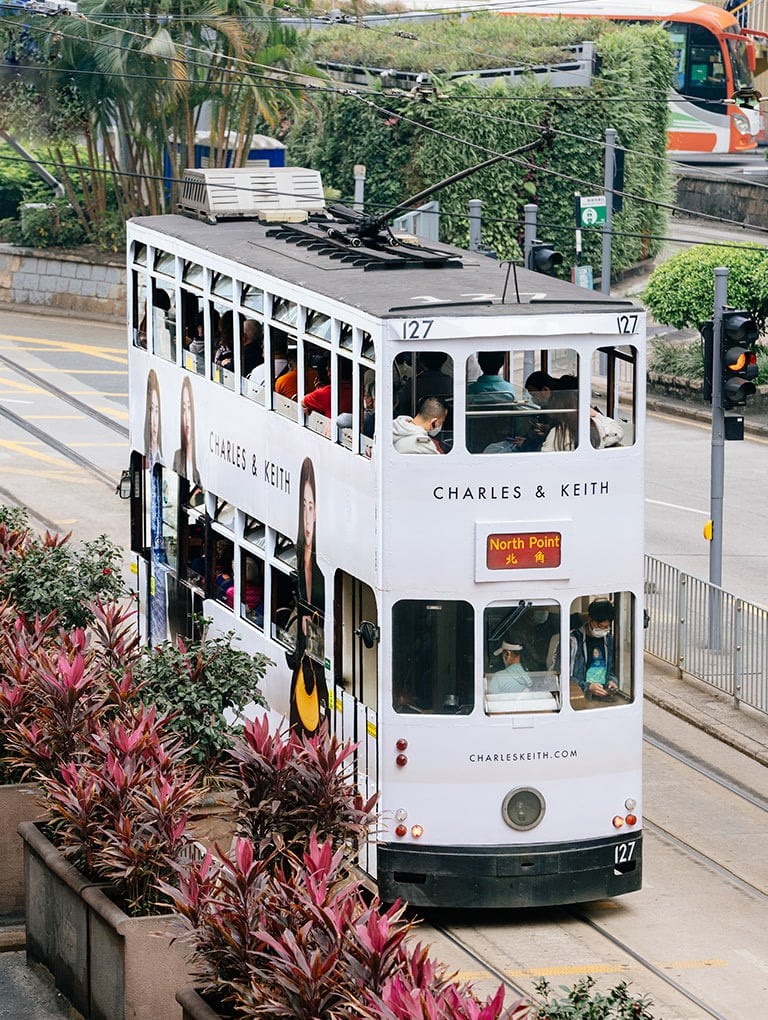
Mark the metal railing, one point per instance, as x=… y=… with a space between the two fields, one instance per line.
x=707 y=632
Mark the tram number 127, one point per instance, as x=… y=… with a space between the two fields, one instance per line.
x=624 y=852
x=417 y=329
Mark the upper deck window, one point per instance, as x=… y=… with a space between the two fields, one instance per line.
x=165 y=263
x=285 y=311
x=223 y=287
x=522 y=401
x=139 y=254
x=319 y=325
x=193 y=275
x=345 y=336
x=367 y=349
x=253 y=299
x=422 y=394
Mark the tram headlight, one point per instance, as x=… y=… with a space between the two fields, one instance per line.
x=523 y=808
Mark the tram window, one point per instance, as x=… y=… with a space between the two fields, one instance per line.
x=223 y=578
x=224 y=514
x=432 y=660
x=193 y=331
x=356 y=664
x=252 y=369
x=192 y=549
x=612 y=415
x=251 y=590
x=165 y=263
x=140 y=254
x=253 y=299
x=343 y=410
x=223 y=342
x=366 y=415
x=416 y=376
x=285 y=550
x=164 y=320
x=367 y=350
x=192 y=276
x=286 y=312
x=223 y=287
x=283 y=608
x=522 y=401
x=345 y=336
x=255 y=532
x=521 y=664
x=601 y=650
x=317 y=402
x=171 y=518
x=319 y=325
x=139 y=310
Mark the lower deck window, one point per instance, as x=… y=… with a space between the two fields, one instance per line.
x=521 y=668
x=433 y=657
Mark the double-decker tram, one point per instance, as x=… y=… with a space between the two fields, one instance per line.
x=414 y=478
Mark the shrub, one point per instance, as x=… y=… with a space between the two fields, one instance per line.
x=288 y=787
x=580 y=1003
x=47 y=575
x=197 y=682
x=301 y=941
x=686 y=360
x=681 y=291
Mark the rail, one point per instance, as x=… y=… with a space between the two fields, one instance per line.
x=705 y=631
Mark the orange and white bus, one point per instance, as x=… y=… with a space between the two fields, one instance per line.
x=713 y=108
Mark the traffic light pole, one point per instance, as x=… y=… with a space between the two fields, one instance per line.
x=717 y=460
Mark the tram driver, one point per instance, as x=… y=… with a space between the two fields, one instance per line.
x=512 y=677
x=592 y=652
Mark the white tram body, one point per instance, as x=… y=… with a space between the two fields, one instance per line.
x=499 y=787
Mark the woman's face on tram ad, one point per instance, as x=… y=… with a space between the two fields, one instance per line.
x=154 y=417
x=308 y=504
x=186 y=415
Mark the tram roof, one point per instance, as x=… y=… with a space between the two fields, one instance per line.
x=387 y=293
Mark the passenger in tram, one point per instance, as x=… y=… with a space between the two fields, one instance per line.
x=320 y=398
x=535 y=633
x=251 y=350
x=344 y=421
x=562 y=407
x=419 y=434
x=279 y=354
x=253 y=592
x=538 y=427
x=185 y=458
x=491 y=363
x=512 y=678
x=541 y=386
x=224 y=355
x=592 y=652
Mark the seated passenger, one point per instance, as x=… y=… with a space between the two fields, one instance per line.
x=564 y=433
x=252 y=590
x=541 y=386
x=491 y=362
x=344 y=421
x=592 y=652
x=604 y=431
x=278 y=352
x=419 y=434
x=512 y=678
x=251 y=353
x=320 y=398
x=538 y=428
x=287 y=384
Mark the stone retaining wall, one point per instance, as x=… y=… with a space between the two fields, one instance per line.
x=84 y=283
x=743 y=201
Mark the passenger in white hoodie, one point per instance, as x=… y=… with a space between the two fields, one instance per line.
x=418 y=434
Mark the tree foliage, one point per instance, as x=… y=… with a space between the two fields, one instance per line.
x=407 y=145
x=681 y=291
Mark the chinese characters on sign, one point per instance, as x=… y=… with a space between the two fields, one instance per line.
x=523 y=551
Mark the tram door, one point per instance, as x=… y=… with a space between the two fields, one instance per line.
x=356 y=639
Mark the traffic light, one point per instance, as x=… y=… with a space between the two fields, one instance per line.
x=707 y=330
x=542 y=258
x=738 y=360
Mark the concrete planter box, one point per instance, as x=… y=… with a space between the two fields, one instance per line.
x=17 y=805
x=194 y=1006
x=109 y=965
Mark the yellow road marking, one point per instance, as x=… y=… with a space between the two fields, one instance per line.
x=35 y=454
x=20 y=387
x=593 y=968
x=70 y=347
x=85 y=371
x=74 y=475
x=115 y=412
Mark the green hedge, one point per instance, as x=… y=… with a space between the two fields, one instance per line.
x=334 y=132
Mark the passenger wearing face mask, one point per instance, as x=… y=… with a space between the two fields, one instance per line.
x=535 y=633
x=419 y=434
x=592 y=655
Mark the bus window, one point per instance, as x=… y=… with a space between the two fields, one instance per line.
x=355 y=646
x=251 y=589
x=705 y=73
x=432 y=657
x=601 y=650
x=521 y=661
x=613 y=411
x=522 y=401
